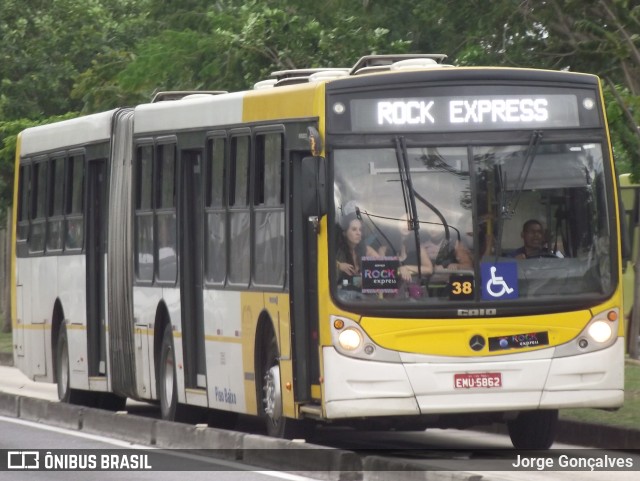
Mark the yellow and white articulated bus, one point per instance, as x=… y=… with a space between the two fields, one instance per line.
x=400 y=244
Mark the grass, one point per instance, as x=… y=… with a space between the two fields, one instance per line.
x=628 y=415
x=6 y=342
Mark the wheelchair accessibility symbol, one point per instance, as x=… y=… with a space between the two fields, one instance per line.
x=499 y=281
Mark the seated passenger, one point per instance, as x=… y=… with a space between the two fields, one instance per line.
x=455 y=259
x=407 y=254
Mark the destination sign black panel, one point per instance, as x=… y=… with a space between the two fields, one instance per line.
x=482 y=112
x=463 y=108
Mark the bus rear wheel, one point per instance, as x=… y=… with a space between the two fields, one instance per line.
x=533 y=429
x=63 y=373
x=167 y=386
x=101 y=400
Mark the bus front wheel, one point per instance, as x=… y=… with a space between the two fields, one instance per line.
x=272 y=391
x=533 y=429
x=271 y=395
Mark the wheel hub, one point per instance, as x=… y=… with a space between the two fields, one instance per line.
x=272 y=394
x=63 y=373
x=168 y=379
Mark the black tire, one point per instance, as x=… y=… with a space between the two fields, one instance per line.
x=62 y=366
x=102 y=400
x=534 y=429
x=63 y=373
x=270 y=396
x=166 y=382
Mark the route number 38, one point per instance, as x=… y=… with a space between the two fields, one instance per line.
x=461 y=287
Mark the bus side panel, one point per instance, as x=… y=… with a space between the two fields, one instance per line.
x=145 y=306
x=71 y=281
x=78 y=374
x=44 y=277
x=22 y=313
x=223 y=333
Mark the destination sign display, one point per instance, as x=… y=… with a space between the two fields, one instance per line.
x=469 y=112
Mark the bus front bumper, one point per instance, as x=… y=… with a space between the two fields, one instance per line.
x=356 y=388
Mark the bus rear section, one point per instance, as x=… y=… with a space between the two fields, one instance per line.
x=475 y=210
x=60 y=326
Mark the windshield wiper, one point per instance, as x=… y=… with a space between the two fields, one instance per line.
x=443 y=254
x=359 y=214
x=509 y=207
x=408 y=196
x=508 y=204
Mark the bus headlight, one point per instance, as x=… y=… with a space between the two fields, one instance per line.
x=600 y=331
x=350 y=339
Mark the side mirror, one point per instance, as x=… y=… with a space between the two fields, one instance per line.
x=314 y=186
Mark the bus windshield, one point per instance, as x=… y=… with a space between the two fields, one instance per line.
x=483 y=223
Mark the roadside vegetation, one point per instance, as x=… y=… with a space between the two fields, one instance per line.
x=5 y=342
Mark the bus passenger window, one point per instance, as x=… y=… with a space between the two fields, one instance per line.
x=240 y=219
x=144 y=214
x=166 y=213
x=74 y=202
x=269 y=265
x=215 y=216
x=55 y=232
x=39 y=212
x=24 y=188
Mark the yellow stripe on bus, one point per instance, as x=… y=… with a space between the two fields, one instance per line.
x=14 y=224
x=296 y=101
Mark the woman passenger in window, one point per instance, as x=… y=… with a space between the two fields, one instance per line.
x=351 y=250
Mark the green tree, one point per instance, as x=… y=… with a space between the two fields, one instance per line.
x=243 y=42
x=47 y=43
x=601 y=37
x=9 y=131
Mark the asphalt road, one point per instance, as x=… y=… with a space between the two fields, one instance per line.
x=21 y=434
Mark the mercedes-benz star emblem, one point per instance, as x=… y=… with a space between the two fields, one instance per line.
x=477 y=342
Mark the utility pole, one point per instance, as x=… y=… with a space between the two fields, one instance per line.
x=634 y=321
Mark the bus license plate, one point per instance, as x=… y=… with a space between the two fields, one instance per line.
x=477 y=380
